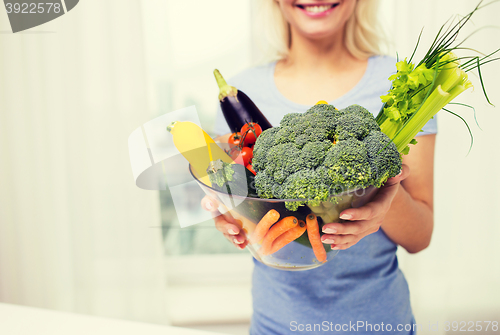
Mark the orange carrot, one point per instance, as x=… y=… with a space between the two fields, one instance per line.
x=264 y=224
x=288 y=236
x=276 y=230
x=315 y=238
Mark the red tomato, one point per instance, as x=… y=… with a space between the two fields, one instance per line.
x=250 y=167
x=234 y=139
x=243 y=156
x=247 y=155
x=250 y=131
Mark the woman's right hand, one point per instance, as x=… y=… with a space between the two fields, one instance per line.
x=225 y=223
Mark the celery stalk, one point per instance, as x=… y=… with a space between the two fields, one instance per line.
x=433 y=104
x=420 y=91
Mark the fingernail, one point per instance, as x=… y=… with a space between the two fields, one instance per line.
x=232 y=232
x=346 y=216
x=328 y=241
x=235 y=240
x=329 y=230
x=335 y=248
x=209 y=205
x=399 y=174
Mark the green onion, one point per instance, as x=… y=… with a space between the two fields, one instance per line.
x=420 y=92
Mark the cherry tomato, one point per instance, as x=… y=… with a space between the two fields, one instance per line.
x=247 y=155
x=234 y=139
x=250 y=131
x=243 y=156
x=250 y=167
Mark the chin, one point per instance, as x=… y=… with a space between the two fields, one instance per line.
x=319 y=33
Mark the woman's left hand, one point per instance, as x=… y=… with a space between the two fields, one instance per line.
x=364 y=220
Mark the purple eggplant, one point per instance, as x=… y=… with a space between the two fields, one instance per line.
x=237 y=107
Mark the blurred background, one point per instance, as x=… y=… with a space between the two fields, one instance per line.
x=77 y=235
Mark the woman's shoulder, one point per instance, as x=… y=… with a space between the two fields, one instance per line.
x=385 y=60
x=383 y=64
x=380 y=69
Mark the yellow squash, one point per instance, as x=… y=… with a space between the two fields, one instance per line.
x=197 y=147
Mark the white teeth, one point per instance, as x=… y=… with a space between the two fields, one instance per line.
x=317 y=9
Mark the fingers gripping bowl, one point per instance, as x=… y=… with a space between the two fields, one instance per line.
x=248 y=212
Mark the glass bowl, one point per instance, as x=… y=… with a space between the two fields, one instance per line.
x=246 y=212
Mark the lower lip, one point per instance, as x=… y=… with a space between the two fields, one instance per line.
x=320 y=14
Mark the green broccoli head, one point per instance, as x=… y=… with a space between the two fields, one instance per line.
x=307 y=185
x=348 y=165
x=358 y=110
x=290 y=119
x=356 y=121
x=321 y=117
x=323 y=152
x=265 y=185
x=284 y=157
x=355 y=126
x=313 y=154
x=264 y=142
x=384 y=157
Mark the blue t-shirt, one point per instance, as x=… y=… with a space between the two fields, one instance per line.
x=361 y=290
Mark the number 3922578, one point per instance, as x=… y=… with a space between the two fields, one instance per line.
x=33 y=8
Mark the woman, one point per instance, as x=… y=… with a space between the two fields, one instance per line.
x=329 y=50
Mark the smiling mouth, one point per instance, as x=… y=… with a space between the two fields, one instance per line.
x=315 y=8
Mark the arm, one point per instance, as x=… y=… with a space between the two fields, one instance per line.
x=409 y=222
x=403 y=207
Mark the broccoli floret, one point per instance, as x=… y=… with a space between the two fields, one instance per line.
x=285 y=158
x=322 y=117
x=323 y=173
x=322 y=109
x=313 y=153
x=321 y=153
x=265 y=184
x=354 y=125
x=384 y=157
x=305 y=184
x=265 y=141
x=358 y=110
x=290 y=119
x=311 y=134
x=288 y=134
x=231 y=178
x=348 y=165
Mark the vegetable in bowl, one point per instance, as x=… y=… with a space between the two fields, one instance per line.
x=323 y=152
